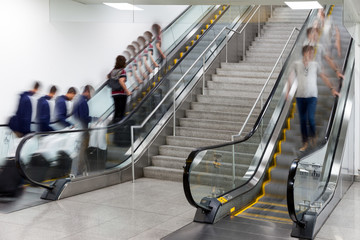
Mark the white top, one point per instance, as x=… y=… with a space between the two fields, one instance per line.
x=307 y=78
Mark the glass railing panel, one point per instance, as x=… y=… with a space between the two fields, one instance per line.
x=312 y=187
x=183 y=25
x=7 y=143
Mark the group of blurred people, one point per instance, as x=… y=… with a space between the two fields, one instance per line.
x=143 y=65
x=44 y=114
x=322 y=46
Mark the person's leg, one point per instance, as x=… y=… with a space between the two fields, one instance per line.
x=312 y=102
x=122 y=105
x=117 y=108
x=302 y=108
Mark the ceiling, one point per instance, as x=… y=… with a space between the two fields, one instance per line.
x=201 y=2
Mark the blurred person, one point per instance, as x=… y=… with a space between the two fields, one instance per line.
x=82 y=117
x=306 y=72
x=20 y=123
x=313 y=40
x=151 y=55
x=119 y=95
x=158 y=38
x=330 y=33
x=81 y=108
x=136 y=75
x=61 y=109
x=43 y=111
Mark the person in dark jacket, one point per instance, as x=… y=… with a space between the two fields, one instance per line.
x=21 y=122
x=81 y=108
x=61 y=111
x=43 y=111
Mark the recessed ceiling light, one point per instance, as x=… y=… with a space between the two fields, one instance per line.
x=123 y=6
x=304 y=5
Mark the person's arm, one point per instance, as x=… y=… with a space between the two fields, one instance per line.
x=338 y=41
x=123 y=85
x=333 y=65
x=328 y=83
x=138 y=79
x=145 y=61
x=160 y=51
x=289 y=83
x=61 y=113
x=153 y=60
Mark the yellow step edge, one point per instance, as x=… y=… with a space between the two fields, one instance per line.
x=181 y=54
x=202 y=31
x=267 y=217
x=267 y=220
x=224 y=7
x=216 y=16
x=270 y=210
x=192 y=42
x=207 y=26
x=175 y=60
x=211 y=21
x=197 y=37
x=220 y=12
x=187 y=48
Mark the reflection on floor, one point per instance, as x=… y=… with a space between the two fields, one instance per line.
x=148 y=209
x=26 y=198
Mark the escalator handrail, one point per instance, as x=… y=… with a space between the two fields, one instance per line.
x=295 y=163
x=147 y=45
x=192 y=155
x=112 y=126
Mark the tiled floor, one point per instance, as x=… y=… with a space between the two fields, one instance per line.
x=343 y=223
x=148 y=209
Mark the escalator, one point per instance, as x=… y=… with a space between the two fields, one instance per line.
x=48 y=159
x=253 y=198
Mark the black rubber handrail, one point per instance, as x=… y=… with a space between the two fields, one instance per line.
x=112 y=126
x=295 y=163
x=192 y=155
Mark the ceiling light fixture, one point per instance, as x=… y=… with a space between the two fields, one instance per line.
x=123 y=6
x=304 y=5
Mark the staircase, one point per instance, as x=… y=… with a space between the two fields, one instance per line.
x=218 y=114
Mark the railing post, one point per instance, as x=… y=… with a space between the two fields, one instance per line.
x=259 y=31
x=271 y=11
x=233 y=160
x=174 y=116
x=244 y=41
x=203 y=87
x=132 y=154
x=226 y=47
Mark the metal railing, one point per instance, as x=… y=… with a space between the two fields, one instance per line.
x=260 y=97
x=173 y=89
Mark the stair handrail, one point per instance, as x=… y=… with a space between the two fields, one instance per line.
x=265 y=84
x=295 y=163
x=173 y=92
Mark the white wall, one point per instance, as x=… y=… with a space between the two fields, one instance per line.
x=70 y=50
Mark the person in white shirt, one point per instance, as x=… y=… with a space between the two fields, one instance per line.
x=306 y=72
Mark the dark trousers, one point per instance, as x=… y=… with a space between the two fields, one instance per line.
x=307 y=109
x=120 y=106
